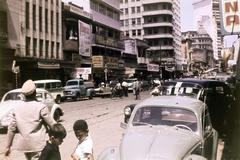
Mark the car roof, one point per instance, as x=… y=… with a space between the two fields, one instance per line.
x=184 y=102
x=47 y=81
x=20 y=90
x=202 y=82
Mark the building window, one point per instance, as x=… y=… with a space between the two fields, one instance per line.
x=126 y=22
x=52 y=21
x=102 y=9
x=133 y=22
x=58 y=51
x=40 y=19
x=34 y=17
x=46 y=49
x=126 y=10
x=27 y=46
x=127 y=33
x=138 y=21
x=121 y=21
x=57 y=18
x=46 y=20
x=139 y=32
x=138 y=9
x=133 y=32
x=34 y=47
x=52 y=50
x=27 y=15
x=41 y=48
x=133 y=9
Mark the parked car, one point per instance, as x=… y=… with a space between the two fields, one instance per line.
x=216 y=94
x=76 y=89
x=54 y=86
x=167 y=128
x=11 y=98
x=130 y=83
x=103 y=91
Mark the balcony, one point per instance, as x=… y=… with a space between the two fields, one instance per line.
x=159 y=35
x=155 y=1
x=107 y=41
x=157 y=12
x=165 y=47
x=157 y=24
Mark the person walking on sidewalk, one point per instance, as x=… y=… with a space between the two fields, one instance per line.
x=136 y=89
x=30 y=119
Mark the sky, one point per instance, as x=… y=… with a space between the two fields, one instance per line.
x=186 y=15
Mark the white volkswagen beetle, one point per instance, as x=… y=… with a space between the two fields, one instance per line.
x=167 y=128
x=11 y=98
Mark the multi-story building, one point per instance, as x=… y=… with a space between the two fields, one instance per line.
x=107 y=46
x=158 y=23
x=200 y=56
x=208 y=12
x=77 y=42
x=35 y=38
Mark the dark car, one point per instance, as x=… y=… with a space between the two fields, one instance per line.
x=216 y=94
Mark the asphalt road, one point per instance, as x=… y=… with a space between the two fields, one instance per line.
x=103 y=115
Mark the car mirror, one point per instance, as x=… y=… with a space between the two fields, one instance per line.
x=195 y=157
x=123 y=125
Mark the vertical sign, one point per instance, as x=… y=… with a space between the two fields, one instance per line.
x=85 y=39
x=230 y=17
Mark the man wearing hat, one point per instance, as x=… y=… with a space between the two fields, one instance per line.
x=31 y=119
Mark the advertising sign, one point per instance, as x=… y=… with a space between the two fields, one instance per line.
x=153 y=67
x=230 y=17
x=85 y=39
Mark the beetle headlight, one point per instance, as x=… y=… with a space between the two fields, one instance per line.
x=127 y=111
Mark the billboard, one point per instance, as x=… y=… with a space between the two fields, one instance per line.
x=85 y=39
x=230 y=17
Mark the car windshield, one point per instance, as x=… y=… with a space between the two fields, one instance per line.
x=13 y=96
x=165 y=116
x=72 y=83
x=39 y=85
x=130 y=80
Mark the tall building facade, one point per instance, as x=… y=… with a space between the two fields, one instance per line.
x=34 y=38
x=158 y=23
x=107 y=45
x=208 y=13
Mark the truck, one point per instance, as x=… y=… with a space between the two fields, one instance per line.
x=77 y=89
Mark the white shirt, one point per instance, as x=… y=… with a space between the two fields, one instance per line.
x=86 y=146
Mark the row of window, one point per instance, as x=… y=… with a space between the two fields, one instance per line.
x=126 y=1
x=134 y=21
x=40 y=18
x=100 y=8
x=133 y=33
x=136 y=9
x=40 y=49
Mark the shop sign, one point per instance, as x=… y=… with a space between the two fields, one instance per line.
x=230 y=16
x=111 y=62
x=153 y=67
x=85 y=39
x=97 y=61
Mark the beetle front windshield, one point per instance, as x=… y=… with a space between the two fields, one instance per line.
x=165 y=116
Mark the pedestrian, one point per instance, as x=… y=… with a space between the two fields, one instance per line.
x=125 y=88
x=118 y=89
x=136 y=89
x=56 y=135
x=84 y=149
x=30 y=119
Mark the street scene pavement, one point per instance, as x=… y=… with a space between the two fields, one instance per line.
x=104 y=116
